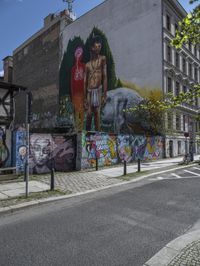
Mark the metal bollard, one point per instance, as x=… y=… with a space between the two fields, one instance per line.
x=125 y=168
x=139 y=162
x=52 y=179
x=97 y=164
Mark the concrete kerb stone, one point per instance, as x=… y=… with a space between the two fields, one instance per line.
x=172 y=249
x=52 y=199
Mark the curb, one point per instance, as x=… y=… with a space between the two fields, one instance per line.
x=172 y=249
x=11 y=209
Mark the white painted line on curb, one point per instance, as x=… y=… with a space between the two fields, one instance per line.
x=178 y=176
x=190 y=172
x=160 y=177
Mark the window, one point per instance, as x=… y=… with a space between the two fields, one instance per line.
x=184 y=89
x=190 y=70
x=169 y=85
x=184 y=122
x=169 y=120
x=168 y=23
x=179 y=147
x=177 y=59
x=169 y=53
x=195 y=50
x=178 y=122
x=190 y=46
x=177 y=88
x=196 y=74
x=176 y=27
x=184 y=65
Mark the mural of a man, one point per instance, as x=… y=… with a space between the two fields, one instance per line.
x=77 y=87
x=95 y=84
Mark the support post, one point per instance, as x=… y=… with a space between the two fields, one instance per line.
x=139 y=165
x=27 y=144
x=52 y=179
x=125 y=168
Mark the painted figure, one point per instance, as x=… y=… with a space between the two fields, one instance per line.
x=95 y=84
x=41 y=150
x=77 y=87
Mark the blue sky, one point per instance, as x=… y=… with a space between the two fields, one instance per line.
x=19 y=19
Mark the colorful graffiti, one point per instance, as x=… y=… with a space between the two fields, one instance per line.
x=100 y=145
x=113 y=149
x=20 y=150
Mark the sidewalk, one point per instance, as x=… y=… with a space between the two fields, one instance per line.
x=84 y=181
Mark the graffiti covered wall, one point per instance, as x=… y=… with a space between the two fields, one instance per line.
x=100 y=145
x=45 y=150
x=104 y=69
x=112 y=149
x=20 y=150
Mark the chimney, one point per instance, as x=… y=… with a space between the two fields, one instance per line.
x=8 y=69
x=48 y=19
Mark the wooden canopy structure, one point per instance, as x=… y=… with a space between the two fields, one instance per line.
x=7 y=93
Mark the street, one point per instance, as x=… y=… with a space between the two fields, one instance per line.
x=124 y=225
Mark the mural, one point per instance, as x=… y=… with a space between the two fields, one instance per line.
x=47 y=150
x=112 y=149
x=100 y=145
x=4 y=151
x=20 y=151
x=100 y=101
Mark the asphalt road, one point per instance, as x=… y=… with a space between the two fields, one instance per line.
x=124 y=225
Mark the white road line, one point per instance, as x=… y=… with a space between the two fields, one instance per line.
x=160 y=177
x=196 y=168
x=178 y=176
x=190 y=172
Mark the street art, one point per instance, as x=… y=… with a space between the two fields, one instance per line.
x=4 y=151
x=101 y=101
x=112 y=149
x=100 y=145
x=51 y=150
x=154 y=148
x=20 y=150
x=46 y=151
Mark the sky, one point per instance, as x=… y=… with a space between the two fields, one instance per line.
x=20 y=19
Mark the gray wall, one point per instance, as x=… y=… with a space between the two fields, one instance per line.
x=134 y=32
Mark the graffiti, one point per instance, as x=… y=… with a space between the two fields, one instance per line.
x=103 y=146
x=138 y=144
x=64 y=153
x=66 y=112
x=154 y=148
x=20 y=151
x=4 y=151
x=124 y=148
x=47 y=150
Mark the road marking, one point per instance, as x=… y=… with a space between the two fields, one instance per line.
x=196 y=168
x=178 y=176
x=190 y=172
x=160 y=177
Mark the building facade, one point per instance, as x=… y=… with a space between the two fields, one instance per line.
x=181 y=72
x=36 y=66
x=136 y=62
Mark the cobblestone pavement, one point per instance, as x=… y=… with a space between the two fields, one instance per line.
x=82 y=181
x=189 y=256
